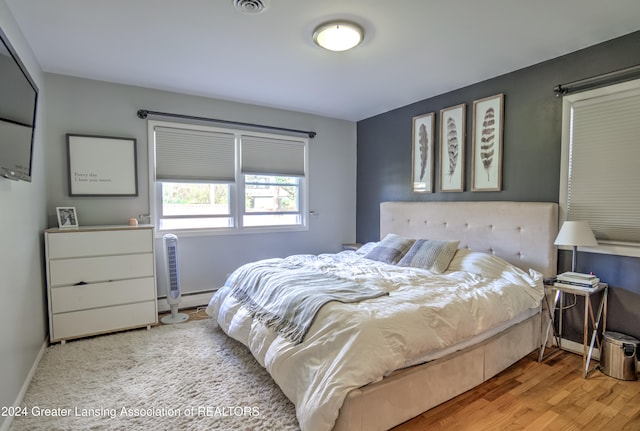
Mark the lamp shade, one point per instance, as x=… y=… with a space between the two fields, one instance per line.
x=576 y=233
x=338 y=35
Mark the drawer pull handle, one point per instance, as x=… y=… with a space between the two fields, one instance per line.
x=80 y=283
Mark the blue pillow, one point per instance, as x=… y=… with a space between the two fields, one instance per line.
x=390 y=249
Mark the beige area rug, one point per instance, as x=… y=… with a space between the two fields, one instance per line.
x=189 y=376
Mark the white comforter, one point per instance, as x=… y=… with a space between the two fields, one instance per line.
x=351 y=345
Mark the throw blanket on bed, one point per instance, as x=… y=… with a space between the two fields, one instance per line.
x=287 y=298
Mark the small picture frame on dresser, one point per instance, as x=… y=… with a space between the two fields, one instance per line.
x=67 y=217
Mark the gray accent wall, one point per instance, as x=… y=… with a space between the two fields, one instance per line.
x=531 y=163
x=99 y=108
x=23 y=319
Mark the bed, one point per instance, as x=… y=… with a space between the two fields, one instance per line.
x=349 y=372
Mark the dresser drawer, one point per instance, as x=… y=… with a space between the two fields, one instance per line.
x=72 y=298
x=101 y=320
x=98 y=243
x=99 y=269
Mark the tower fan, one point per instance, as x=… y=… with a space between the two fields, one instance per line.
x=172 y=280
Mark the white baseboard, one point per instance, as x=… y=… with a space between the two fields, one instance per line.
x=574 y=347
x=7 y=422
x=187 y=300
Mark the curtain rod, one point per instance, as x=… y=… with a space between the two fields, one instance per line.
x=606 y=78
x=143 y=113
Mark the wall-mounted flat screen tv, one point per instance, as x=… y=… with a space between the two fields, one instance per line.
x=18 y=103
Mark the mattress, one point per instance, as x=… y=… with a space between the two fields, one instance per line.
x=471 y=341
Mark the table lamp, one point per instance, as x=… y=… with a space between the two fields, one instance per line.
x=575 y=233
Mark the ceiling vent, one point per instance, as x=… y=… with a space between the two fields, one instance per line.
x=251 y=6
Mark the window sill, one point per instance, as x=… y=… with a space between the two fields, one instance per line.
x=613 y=248
x=232 y=231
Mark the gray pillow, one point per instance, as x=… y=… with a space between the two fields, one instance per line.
x=390 y=249
x=430 y=254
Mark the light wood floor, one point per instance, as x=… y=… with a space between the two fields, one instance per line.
x=551 y=395
x=535 y=396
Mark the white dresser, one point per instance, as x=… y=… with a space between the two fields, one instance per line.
x=100 y=279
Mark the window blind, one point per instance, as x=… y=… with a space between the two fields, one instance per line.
x=262 y=155
x=603 y=176
x=194 y=155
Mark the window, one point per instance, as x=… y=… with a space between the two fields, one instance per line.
x=272 y=171
x=600 y=177
x=271 y=200
x=226 y=180
x=194 y=205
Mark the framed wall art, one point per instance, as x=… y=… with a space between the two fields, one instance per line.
x=102 y=166
x=67 y=217
x=422 y=153
x=488 y=126
x=452 y=143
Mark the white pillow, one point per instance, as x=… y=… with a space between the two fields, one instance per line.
x=476 y=262
x=366 y=248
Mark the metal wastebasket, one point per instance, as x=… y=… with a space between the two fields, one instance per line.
x=618 y=356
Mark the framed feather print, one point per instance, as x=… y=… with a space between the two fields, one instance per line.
x=452 y=143
x=422 y=166
x=486 y=164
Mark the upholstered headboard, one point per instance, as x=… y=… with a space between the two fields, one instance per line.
x=519 y=232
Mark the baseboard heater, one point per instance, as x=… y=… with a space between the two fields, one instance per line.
x=189 y=300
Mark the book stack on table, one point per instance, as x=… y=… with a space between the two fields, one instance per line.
x=577 y=280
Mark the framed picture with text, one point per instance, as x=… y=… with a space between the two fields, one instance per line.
x=452 y=143
x=422 y=153
x=488 y=126
x=102 y=166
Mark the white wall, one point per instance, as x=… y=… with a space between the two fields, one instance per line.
x=93 y=107
x=22 y=219
x=82 y=106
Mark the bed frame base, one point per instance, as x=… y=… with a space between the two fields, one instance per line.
x=407 y=393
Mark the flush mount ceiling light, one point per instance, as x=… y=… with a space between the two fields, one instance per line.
x=338 y=35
